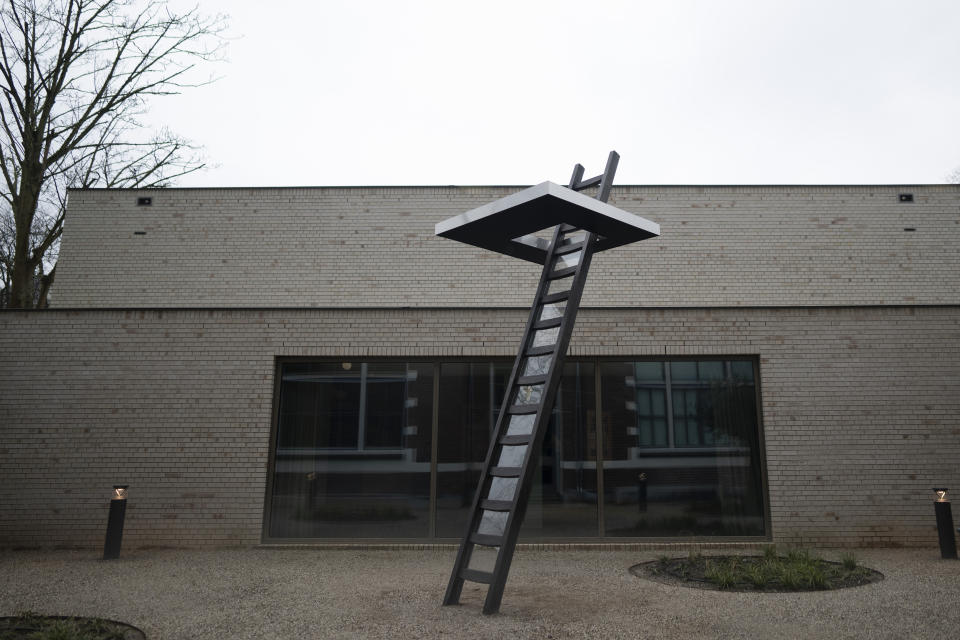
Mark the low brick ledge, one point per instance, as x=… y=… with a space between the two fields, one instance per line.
x=533 y=546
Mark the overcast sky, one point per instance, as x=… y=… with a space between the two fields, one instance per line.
x=447 y=92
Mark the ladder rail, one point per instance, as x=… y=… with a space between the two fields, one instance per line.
x=464 y=553
x=542 y=410
x=516 y=516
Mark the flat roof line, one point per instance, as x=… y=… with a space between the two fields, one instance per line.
x=505 y=308
x=524 y=186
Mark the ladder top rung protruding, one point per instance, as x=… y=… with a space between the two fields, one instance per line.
x=505 y=472
x=477 y=576
x=586 y=184
x=523 y=408
x=528 y=380
x=562 y=273
x=555 y=297
x=486 y=539
x=549 y=323
x=496 y=505
x=515 y=440
x=539 y=351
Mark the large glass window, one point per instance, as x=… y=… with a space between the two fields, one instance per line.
x=470 y=397
x=681 y=445
x=678 y=442
x=353 y=450
x=563 y=498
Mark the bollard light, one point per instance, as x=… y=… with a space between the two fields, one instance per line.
x=941 y=507
x=118 y=509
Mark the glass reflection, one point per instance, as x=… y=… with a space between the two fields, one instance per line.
x=521 y=424
x=353 y=450
x=563 y=497
x=681 y=449
x=512 y=455
x=493 y=523
x=528 y=394
x=502 y=489
x=537 y=365
x=469 y=404
x=546 y=337
x=552 y=310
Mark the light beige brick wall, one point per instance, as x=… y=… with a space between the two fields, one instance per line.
x=370 y=246
x=860 y=409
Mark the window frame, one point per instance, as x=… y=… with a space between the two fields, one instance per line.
x=597 y=360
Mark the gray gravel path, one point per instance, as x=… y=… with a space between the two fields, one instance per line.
x=309 y=593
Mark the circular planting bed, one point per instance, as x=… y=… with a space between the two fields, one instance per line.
x=34 y=626
x=796 y=570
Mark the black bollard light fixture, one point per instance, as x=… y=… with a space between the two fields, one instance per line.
x=118 y=509
x=941 y=506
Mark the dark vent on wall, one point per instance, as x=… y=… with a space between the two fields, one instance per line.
x=906 y=197
x=139 y=233
x=909 y=228
x=146 y=202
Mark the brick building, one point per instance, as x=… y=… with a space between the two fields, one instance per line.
x=312 y=364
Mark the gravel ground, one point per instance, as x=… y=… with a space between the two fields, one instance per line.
x=310 y=593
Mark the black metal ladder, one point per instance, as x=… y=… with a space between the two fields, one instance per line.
x=501 y=498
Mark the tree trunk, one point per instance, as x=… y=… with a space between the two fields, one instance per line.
x=24 y=210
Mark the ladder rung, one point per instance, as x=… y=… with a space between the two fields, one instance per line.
x=505 y=472
x=562 y=273
x=589 y=182
x=548 y=324
x=477 y=576
x=539 y=351
x=496 y=505
x=486 y=539
x=555 y=297
x=568 y=248
x=567 y=228
x=514 y=440
x=526 y=380
x=523 y=408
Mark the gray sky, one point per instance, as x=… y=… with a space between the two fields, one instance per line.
x=446 y=92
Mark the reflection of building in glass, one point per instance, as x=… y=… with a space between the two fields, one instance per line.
x=331 y=481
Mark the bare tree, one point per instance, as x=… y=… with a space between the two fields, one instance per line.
x=954 y=176
x=75 y=77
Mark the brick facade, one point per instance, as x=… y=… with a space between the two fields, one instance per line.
x=374 y=247
x=155 y=366
x=860 y=408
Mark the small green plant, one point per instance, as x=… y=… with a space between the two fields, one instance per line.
x=796 y=570
x=812 y=576
x=55 y=628
x=770 y=552
x=723 y=573
x=757 y=574
x=790 y=578
x=798 y=556
x=849 y=561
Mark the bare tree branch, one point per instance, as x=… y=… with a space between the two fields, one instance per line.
x=75 y=78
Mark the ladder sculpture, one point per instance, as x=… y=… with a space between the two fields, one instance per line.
x=583 y=226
